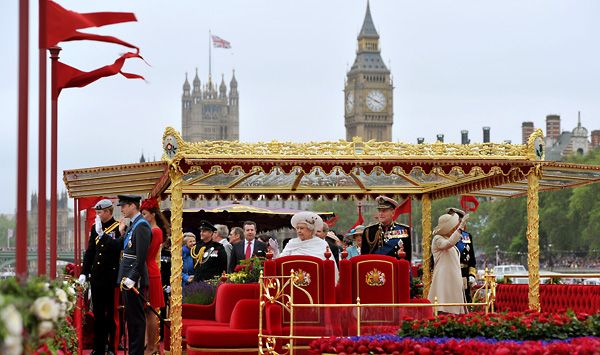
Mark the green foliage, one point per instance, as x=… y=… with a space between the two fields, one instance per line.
x=6 y=223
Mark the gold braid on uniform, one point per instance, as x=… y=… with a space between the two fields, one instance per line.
x=197 y=256
x=376 y=241
x=108 y=230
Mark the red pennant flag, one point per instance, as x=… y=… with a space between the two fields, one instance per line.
x=62 y=24
x=69 y=77
x=404 y=208
x=360 y=220
x=332 y=221
x=469 y=203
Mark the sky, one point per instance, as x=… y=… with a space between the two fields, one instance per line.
x=456 y=64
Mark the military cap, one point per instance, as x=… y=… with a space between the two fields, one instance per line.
x=126 y=199
x=459 y=212
x=103 y=204
x=205 y=225
x=384 y=202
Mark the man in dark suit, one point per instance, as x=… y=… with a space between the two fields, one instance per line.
x=100 y=264
x=248 y=248
x=133 y=271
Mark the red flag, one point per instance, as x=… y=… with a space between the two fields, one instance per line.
x=360 y=220
x=404 y=208
x=469 y=203
x=332 y=221
x=69 y=77
x=62 y=24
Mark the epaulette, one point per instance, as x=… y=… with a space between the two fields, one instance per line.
x=402 y=225
x=371 y=225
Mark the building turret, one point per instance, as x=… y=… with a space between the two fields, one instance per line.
x=186 y=107
x=222 y=88
x=233 y=92
x=197 y=91
x=186 y=86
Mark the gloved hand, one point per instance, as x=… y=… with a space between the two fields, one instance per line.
x=168 y=289
x=128 y=283
x=98 y=226
x=463 y=222
x=81 y=280
x=274 y=247
x=472 y=281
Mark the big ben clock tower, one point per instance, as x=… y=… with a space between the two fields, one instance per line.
x=368 y=90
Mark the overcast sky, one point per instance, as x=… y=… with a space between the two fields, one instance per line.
x=455 y=64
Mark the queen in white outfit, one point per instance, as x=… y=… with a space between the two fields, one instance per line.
x=447 y=283
x=307 y=243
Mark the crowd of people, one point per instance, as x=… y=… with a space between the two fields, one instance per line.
x=123 y=259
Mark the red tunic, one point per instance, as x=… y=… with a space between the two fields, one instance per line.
x=155 y=291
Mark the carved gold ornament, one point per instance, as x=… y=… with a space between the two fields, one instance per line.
x=302 y=278
x=375 y=278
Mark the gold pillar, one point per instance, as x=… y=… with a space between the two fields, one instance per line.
x=426 y=241
x=533 y=240
x=176 y=260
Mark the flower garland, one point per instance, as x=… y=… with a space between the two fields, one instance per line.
x=36 y=317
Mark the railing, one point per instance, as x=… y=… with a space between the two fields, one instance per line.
x=272 y=290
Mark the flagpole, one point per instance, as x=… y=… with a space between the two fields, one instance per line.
x=41 y=259
x=21 y=245
x=209 y=55
x=54 y=51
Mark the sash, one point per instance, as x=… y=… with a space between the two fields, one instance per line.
x=130 y=231
x=107 y=230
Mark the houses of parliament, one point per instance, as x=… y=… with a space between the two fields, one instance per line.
x=208 y=113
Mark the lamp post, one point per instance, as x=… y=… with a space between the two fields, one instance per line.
x=550 y=263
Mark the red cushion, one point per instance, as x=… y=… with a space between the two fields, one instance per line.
x=221 y=337
x=228 y=295
x=245 y=315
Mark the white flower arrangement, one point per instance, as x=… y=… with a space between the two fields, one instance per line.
x=45 y=327
x=45 y=308
x=13 y=323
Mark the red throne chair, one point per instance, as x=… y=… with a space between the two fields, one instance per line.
x=377 y=279
x=315 y=284
x=229 y=324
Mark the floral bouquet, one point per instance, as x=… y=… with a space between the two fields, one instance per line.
x=247 y=271
x=36 y=317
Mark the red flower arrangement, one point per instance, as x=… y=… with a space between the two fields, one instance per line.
x=527 y=325
x=388 y=344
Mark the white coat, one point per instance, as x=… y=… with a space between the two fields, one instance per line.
x=447 y=283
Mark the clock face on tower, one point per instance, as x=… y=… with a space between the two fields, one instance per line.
x=350 y=101
x=376 y=100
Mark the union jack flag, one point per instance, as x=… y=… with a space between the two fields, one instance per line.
x=219 y=42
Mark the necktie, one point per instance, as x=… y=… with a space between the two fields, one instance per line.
x=248 y=250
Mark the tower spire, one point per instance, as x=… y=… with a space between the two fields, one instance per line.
x=368 y=28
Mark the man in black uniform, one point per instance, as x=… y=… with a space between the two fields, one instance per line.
x=468 y=265
x=387 y=236
x=210 y=258
x=133 y=271
x=100 y=263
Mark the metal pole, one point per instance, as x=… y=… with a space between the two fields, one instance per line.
x=426 y=242
x=533 y=241
x=54 y=51
x=42 y=142
x=21 y=252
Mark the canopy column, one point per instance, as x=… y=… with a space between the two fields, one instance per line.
x=533 y=242
x=176 y=259
x=426 y=242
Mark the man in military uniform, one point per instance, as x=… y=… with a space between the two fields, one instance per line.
x=100 y=263
x=133 y=271
x=468 y=265
x=387 y=236
x=210 y=258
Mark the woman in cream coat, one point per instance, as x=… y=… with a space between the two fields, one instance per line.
x=447 y=284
